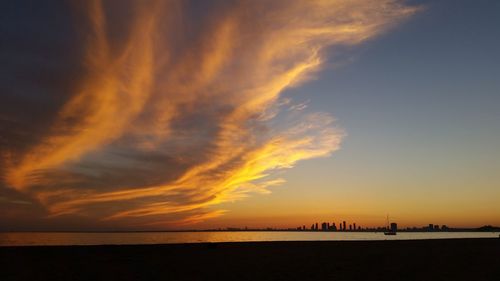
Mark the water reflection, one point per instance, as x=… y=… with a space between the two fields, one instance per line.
x=71 y=238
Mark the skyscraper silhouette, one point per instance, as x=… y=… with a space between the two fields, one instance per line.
x=394 y=227
x=324 y=226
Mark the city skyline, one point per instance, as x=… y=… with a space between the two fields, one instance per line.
x=346 y=226
x=166 y=115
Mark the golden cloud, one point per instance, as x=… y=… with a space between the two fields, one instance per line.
x=200 y=90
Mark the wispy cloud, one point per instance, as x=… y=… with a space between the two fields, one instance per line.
x=179 y=114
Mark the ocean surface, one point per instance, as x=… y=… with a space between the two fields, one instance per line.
x=128 y=238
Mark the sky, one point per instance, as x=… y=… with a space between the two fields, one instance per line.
x=208 y=114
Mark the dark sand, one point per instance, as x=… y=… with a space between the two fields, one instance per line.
x=456 y=259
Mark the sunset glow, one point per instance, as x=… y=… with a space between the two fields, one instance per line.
x=177 y=115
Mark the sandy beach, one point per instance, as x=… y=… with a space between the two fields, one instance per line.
x=452 y=259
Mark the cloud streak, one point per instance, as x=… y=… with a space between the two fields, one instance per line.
x=174 y=115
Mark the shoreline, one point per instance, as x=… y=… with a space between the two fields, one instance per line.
x=451 y=230
x=433 y=259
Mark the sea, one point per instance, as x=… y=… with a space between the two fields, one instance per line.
x=132 y=238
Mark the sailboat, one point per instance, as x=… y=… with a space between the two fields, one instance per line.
x=390 y=230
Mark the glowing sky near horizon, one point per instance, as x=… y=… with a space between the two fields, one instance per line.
x=187 y=114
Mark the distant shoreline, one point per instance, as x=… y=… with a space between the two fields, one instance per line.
x=494 y=229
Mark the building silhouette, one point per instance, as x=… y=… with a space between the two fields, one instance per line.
x=394 y=227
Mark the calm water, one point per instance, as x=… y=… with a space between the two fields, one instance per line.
x=65 y=238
